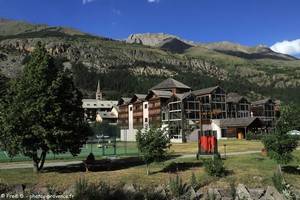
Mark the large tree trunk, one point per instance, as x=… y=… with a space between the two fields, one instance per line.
x=38 y=162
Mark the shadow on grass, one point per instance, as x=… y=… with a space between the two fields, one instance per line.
x=179 y=166
x=98 y=165
x=291 y=169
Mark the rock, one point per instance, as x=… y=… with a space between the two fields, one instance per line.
x=193 y=194
x=273 y=194
x=18 y=189
x=40 y=190
x=129 y=188
x=214 y=194
x=257 y=193
x=242 y=192
x=70 y=191
x=199 y=193
x=160 y=189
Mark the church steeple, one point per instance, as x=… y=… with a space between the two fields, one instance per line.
x=98 y=92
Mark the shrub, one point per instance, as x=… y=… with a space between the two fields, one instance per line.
x=254 y=136
x=278 y=181
x=283 y=187
x=215 y=166
x=90 y=157
x=193 y=181
x=177 y=187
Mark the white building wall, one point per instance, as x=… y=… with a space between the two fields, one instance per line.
x=130 y=117
x=128 y=135
x=145 y=115
x=214 y=126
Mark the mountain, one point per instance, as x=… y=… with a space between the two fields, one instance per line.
x=134 y=65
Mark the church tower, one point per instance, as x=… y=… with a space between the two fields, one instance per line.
x=98 y=92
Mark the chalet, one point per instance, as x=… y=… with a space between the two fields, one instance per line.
x=100 y=110
x=151 y=109
x=236 y=127
x=237 y=106
x=264 y=110
x=183 y=114
x=213 y=102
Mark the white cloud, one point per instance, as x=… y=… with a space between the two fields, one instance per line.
x=153 y=1
x=87 y=1
x=287 y=47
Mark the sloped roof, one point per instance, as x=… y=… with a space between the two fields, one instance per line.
x=204 y=90
x=162 y=93
x=124 y=101
x=94 y=103
x=140 y=97
x=239 y=122
x=234 y=97
x=263 y=101
x=170 y=83
x=183 y=95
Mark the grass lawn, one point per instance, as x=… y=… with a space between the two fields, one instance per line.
x=253 y=170
x=232 y=145
x=130 y=148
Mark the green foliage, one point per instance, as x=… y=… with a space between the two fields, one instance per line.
x=280 y=145
x=153 y=144
x=193 y=181
x=177 y=187
x=254 y=136
x=42 y=111
x=90 y=157
x=289 y=119
x=278 y=181
x=283 y=187
x=215 y=166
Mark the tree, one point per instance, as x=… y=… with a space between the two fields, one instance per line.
x=280 y=144
x=43 y=111
x=153 y=144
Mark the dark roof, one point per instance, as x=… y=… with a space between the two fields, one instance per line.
x=205 y=90
x=239 y=122
x=170 y=83
x=233 y=97
x=140 y=97
x=263 y=101
x=124 y=101
x=162 y=93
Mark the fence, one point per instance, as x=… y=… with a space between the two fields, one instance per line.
x=98 y=149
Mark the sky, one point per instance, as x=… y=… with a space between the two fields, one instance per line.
x=275 y=23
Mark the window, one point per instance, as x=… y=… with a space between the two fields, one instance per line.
x=164 y=116
x=130 y=108
x=146 y=106
x=146 y=119
x=223 y=132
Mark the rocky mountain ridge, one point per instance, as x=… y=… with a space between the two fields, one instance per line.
x=266 y=74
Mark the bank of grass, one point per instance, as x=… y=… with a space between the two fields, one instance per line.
x=253 y=170
x=232 y=145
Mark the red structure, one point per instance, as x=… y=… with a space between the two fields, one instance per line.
x=207 y=143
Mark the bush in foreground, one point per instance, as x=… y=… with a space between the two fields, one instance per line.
x=215 y=166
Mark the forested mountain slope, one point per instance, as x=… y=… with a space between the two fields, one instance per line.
x=131 y=67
